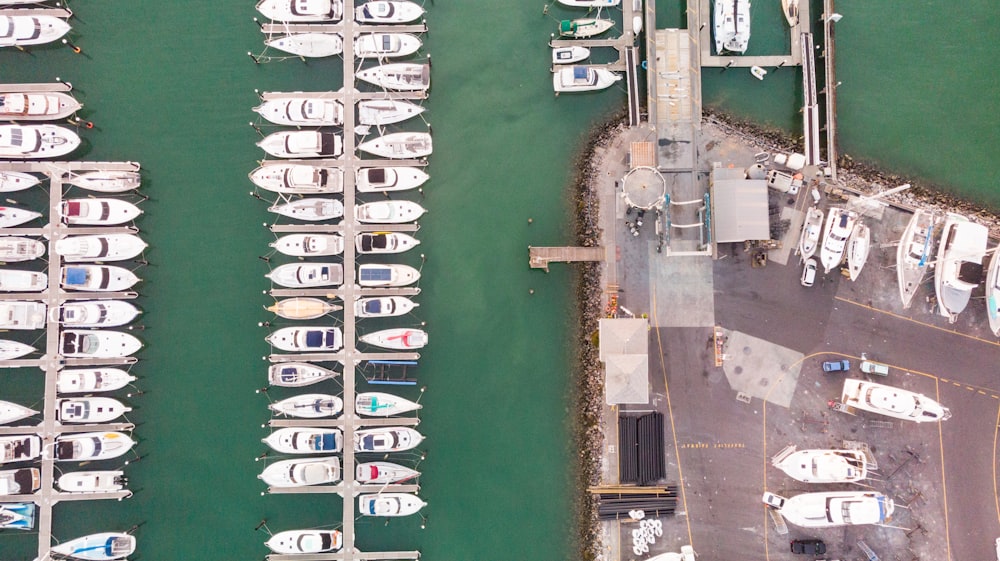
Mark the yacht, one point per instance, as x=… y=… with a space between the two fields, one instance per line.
x=24 y=30
x=302 y=109
x=583 y=79
x=388 y=11
x=97 y=278
x=822 y=466
x=99 y=247
x=310 y=209
x=31 y=142
x=394 y=178
x=298 y=179
x=90 y=446
x=302 y=11
x=37 y=106
x=92 y=380
x=959 y=267
x=309 y=45
x=385 y=45
x=811 y=230
x=15 y=280
x=915 y=253
x=302 y=472
x=892 y=402
x=307 y=339
x=302 y=144
x=839 y=225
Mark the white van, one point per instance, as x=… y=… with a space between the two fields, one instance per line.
x=869 y=367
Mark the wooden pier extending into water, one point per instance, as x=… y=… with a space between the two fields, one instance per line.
x=540 y=257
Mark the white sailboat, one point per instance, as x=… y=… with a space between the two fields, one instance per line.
x=399 y=338
x=107 y=181
x=380 y=112
x=379 y=404
x=309 y=406
x=11 y=217
x=302 y=307
x=297 y=374
x=399 y=76
x=858 y=247
x=11 y=181
x=309 y=45
x=11 y=412
x=399 y=145
x=811 y=230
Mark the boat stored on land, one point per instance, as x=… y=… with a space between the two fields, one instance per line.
x=302 y=472
x=10 y=412
x=383 y=306
x=97 y=278
x=297 y=374
x=37 y=106
x=302 y=307
x=94 y=313
x=107 y=481
x=12 y=181
x=24 y=30
x=959 y=266
x=89 y=410
x=307 y=275
x=303 y=109
x=30 y=142
x=15 y=314
x=395 y=178
x=302 y=11
x=399 y=76
x=381 y=112
x=582 y=28
x=99 y=247
x=383 y=275
x=292 y=542
x=19 y=448
x=88 y=446
x=14 y=280
x=583 y=79
x=302 y=144
x=388 y=212
x=914 y=253
x=399 y=145
x=310 y=209
x=389 y=504
x=378 y=404
x=822 y=466
x=384 y=242
x=385 y=45
x=309 y=245
x=858 y=246
x=109 y=181
x=993 y=293
x=309 y=406
x=388 y=11
x=309 y=45
x=92 y=380
x=839 y=225
x=98 y=547
x=298 y=179
x=399 y=338
x=892 y=402
x=97 y=343
x=386 y=439
x=15 y=249
x=23 y=481
x=307 y=339
x=811 y=230
x=305 y=440
x=837 y=508
x=97 y=212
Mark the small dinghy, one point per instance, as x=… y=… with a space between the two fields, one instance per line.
x=302 y=472
x=18 y=516
x=94 y=313
x=858 y=247
x=11 y=412
x=303 y=339
x=378 y=404
x=384 y=242
x=307 y=275
x=9 y=350
x=383 y=473
x=399 y=145
x=37 y=106
x=88 y=446
x=309 y=45
x=15 y=314
x=383 y=306
x=309 y=245
x=309 y=406
x=293 y=542
x=380 y=275
x=24 y=481
x=98 y=212
x=11 y=217
x=396 y=178
x=85 y=410
x=400 y=338
x=385 y=45
x=98 y=547
x=99 y=247
x=298 y=179
x=569 y=55
x=97 y=278
x=399 y=76
x=389 y=504
x=306 y=440
x=13 y=280
x=12 y=181
x=92 y=380
x=30 y=142
x=97 y=343
x=386 y=439
x=584 y=27
x=302 y=307
x=23 y=30
x=303 y=109
x=19 y=448
x=380 y=112
x=572 y=79
x=388 y=11
x=302 y=144
x=297 y=374
x=92 y=481
x=302 y=11
x=14 y=249
x=110 y=181
x=310 y=210
x=388 y=212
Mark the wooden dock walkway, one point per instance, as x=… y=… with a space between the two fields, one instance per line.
x=810 y=104
x=830 y=88
x=540 y=257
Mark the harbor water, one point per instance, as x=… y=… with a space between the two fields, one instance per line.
x=169 y=84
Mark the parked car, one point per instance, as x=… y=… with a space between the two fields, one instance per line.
x=772 y=500
x=809 y=547
x=869 y=367
x=809 y=272
x=837 y=365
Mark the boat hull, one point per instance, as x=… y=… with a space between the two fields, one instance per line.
x=97 y=278
x=857 y=250
x=399 y=145
x=105 y=181
x=388 y=212
x=92 y=380
x=31 y=142
x=379 y=275
x=302 y=308
x=297 y=374
x=310 y=210
x=298 y=179
x=309 y=45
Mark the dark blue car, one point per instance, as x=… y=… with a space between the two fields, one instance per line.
x=836 y=365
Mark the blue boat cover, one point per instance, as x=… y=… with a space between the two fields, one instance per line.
x=376 y=273
x=314 y=339
x=373 y=306
x=579 y=72
x=76 y=276
x=325 y=443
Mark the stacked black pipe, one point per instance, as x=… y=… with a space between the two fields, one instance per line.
x=640 y=449
x=655 y=504
x=628 y=468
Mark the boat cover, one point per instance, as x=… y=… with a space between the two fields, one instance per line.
x=324 y=443
x=73 y=208
x=579 y=72
x=376 y=175
x=376 y=274
x=373 y=306
x=314 y=339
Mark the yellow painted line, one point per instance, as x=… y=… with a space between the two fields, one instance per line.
x=996 y=433
x=911 y=320
x=944 y=488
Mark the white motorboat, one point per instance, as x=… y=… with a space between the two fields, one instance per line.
x=297 y=374
x=98 y=212
x=811 y=230
x=822 y=466
x=97 y=343
x=19 y=448
x=11 y=216
x=569 y=55
x=858 y=246
x=310 y=210
x=10 y=412
x=383 y=306
x=90 y=446
x=382 y=275
x=388 y=212
x=291 y=542
x=399 y=338
x=386 y=439
x=383 y=473
x=384 y=242
x=399 y=145
x=14 y=249
x=302 y=472
x=11 y=181
x=23 y=30
x=396 y=178
x=94 y=313
x=298 y=179
x=23 y=481
x=309 y=406
x=959 y=266
x=10 y=350
x=583 y=79
x=92 y=380
x=389 y=504
x=307 y=339
x=385 y=45
x=14 y=280
x=590 y=3
x=391 y=11
x=993 y=293
x=378 y=404
x=89 y=410
x=839 y=225
x=302 y=11
x=37 y=106
x=838 y=508
x=892 y=402
x=309 y=45
x=99 y=247
x=791 y=10
x=309 y=245
x=380 y=112
x=305 y=440
x=18 y=516
x=98 y=547
x=17 y=314
x=109 y=181
x=301 y=307
x=97 y=278
x=302 y=109
x=399 y=76
x=107 y=481
x=29 y=142
x=914 y=253
x=303 y=144
x=307 y=275
x=582 y=28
